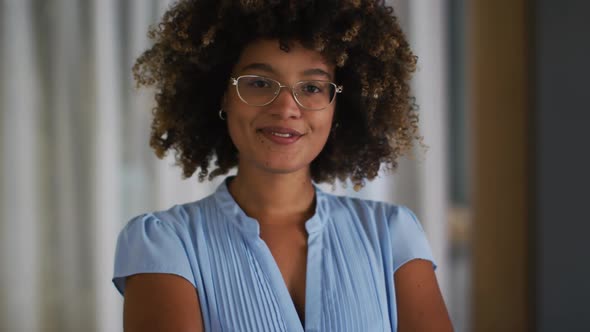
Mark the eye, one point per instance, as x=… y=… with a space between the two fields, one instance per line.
x=258 y=82
x=311 y=87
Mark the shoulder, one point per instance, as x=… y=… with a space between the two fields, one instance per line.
x=179 y=217
x=366 y=209
x=159 y=242
x=395 y=227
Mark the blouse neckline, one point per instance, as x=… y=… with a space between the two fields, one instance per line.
x=250 y=226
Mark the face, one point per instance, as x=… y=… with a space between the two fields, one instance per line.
x=280 y=137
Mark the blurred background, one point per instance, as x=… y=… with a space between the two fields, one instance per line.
x=501 y=191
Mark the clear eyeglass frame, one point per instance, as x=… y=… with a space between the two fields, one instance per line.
x=337 y=89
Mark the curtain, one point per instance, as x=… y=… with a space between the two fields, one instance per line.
x=75 y=164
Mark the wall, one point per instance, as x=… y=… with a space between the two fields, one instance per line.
x=562 y=74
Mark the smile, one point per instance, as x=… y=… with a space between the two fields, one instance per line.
x=281 y=136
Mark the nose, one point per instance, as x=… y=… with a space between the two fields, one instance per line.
x=285 y=105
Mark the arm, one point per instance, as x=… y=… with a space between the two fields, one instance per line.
x=420 y=306
x=157 y=302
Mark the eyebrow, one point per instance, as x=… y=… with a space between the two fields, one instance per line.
x=317 y=71
x=268 y=68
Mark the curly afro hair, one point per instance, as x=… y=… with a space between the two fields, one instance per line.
x=198 y=41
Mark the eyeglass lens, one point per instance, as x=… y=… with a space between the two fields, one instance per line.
x=259 y=91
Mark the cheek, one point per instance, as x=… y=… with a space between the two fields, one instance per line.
x=322 y=131
x=239 y=126
x=235 y=115
x=236 y=130
x=324 y=125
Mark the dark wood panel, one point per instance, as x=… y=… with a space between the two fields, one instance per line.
x=499 y=105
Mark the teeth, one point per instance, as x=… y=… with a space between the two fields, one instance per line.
x=281 y=134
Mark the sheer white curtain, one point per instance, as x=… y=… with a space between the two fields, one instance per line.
x=422 y=182
x=429 y=39
x=74 y=160
x=20 y=240
x=75 y=163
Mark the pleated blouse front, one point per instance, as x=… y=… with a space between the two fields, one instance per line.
x=354 y=248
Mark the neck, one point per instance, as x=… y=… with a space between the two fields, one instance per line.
x=274 y=198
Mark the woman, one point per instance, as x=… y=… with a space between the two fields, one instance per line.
x=290 y=92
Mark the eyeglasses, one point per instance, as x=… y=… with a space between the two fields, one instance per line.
x=257 y=90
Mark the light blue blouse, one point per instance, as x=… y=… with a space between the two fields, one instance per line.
x=354 y=248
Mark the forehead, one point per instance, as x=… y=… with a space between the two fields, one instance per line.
x=298 y=59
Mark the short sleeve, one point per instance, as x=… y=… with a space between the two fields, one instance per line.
x=150 y=245
x=408 y=239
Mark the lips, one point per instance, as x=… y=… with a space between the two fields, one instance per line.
x=281 y=131
x=281 y=135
